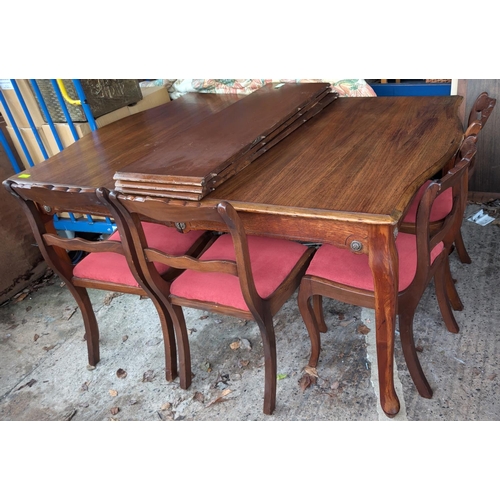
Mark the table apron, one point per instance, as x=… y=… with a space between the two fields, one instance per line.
x=343 y=234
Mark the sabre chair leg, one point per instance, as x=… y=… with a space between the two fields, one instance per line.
x=410 y=354
x=270 y=364
x=184 y=352
x=451 y=291
x=444 y=301
x=309 y=317
x=168 y=340
x=461 y=250
x=89 y=320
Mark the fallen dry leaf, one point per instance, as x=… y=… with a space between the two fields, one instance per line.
x=121 y=373
x=198 y=396
x=21 y=297
x=313 y=372
x=203 y=317
x=220 y=398
x=235 y=345
x=114 y=410
x=306 y=380
x=124 y=338
x=36 y=337
x=85 y=386
x=148 y=376
x=419 y=348
x=363 y=329
x=166 y=406
x=113 y=393
x=168 y=415
x=48 y=347
x=244 y=362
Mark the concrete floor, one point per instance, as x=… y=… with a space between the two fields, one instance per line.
x=44 y=375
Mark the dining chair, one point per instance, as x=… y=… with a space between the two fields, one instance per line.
x=345 y=276
x=478 y=116
x=239 y=275
x=105 y=265
x=441 y=208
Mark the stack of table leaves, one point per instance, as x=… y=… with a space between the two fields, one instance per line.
x=204 y=156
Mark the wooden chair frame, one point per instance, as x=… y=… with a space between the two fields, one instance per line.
x=478 y=116
x=313 y=287
x=35 y=203
x=129 y=210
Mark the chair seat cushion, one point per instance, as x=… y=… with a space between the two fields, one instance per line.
x=272 y=260
x=440 y=208
x=113 y=268
x=343 y=266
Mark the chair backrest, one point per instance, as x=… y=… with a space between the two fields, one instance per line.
x=40 y=203
x=129 y=211
x=456 y=179
x=482 y=108
x=474 y=128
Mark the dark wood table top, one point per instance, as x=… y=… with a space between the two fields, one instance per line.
x=360 y=159
x=93 y=160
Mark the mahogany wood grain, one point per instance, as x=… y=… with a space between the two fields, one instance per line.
x=92 y=161
x=200 y=152
x=359 y=158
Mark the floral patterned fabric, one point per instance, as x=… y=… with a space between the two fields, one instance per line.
x=179 y=87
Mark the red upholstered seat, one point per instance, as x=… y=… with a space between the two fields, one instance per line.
x=342 y=266
x=272 y=260
x=113 y=267
x=440 y=209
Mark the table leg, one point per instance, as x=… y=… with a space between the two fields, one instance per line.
x=383 y=259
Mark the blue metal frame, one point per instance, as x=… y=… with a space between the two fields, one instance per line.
x=16 y=131
x=86 y=224
x=85 y=106
x=9 y=152
x=46 y=113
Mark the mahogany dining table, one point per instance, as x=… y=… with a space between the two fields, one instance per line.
x=345 y=177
